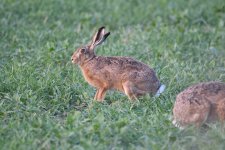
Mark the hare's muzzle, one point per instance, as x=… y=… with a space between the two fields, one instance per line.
x=73 y=60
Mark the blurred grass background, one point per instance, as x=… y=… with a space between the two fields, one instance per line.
x=45 y=102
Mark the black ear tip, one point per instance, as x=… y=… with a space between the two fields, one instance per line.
x=107 y=34
x=101 y=28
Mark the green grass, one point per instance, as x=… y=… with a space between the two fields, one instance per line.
x=45 y=102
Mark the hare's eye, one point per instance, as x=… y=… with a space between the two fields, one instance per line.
x=82 y=50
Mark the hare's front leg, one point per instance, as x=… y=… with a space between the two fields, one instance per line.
x=100 y=94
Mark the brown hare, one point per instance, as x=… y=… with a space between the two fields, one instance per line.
x=199 y=104
x=121 y=73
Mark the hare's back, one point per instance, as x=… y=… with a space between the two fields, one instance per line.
x=210 y=91
x=122 y=64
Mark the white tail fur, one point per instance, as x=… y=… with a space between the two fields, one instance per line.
x=160 y=90
x=176 y=124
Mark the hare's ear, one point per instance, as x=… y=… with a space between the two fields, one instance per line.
x=102 y=39
x=98 y=38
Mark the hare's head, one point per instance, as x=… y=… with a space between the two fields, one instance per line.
x=86 y=53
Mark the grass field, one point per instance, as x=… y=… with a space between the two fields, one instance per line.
x=45 y=102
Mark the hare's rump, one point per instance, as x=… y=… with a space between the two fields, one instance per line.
x=199 y=104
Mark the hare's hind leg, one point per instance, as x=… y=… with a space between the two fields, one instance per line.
x=194 y=113
x=100 y=94
x=131 y=91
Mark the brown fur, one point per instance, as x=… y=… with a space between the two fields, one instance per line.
x=199 y=104
x=121 y=73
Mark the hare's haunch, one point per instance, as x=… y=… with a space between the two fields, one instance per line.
x=199 y=104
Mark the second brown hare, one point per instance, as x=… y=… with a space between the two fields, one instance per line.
x=199 y=104
x=121 y=73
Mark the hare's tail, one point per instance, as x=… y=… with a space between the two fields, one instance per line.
x=176 y=124
x=160 y=90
